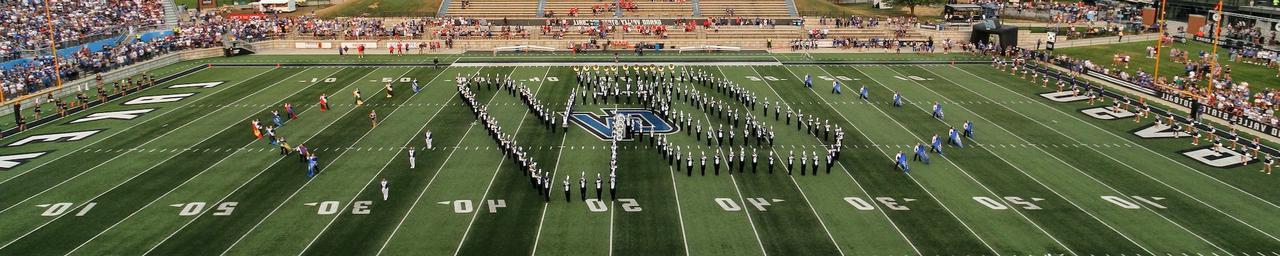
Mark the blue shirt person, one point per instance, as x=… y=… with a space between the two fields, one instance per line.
x=954 y=137
x=808 y=81
x=900 y=161
x=275 y=118
x=937 y=110
x=863 y=92
x=897 y=100
x=968 y=129
x=936 y=144
x=921 y=155
x=311 y=165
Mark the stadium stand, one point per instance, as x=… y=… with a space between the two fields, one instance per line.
x=744 y=8
x=579 y=9
x=493 y=8
x=23 y=23
x=658 y=9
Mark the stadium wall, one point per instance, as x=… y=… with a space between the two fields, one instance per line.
x=327 y=47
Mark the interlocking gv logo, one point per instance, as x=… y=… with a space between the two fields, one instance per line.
x=602 y=125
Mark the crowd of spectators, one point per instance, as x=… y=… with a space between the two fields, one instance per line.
x=207 y=31
x=1228 y=95
x=1243 y=30
x=604 y=29
x=854 y=21
x=1231 y=96
x=23 y=23
x=895 y=44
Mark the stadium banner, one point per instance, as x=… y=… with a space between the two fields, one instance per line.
x=1251 y=49
x=613 y=22
x=1224 y=115
x=409 y=45
x=1188 y=102
x=315 y=45
x=1205 y=39
x=366 y=45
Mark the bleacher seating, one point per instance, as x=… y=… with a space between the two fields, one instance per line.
x=660 y=8
x=493 y=8
x=911 y=35
x=744 y=8
x=607 y=8
x=750 y=32
x=562 y=8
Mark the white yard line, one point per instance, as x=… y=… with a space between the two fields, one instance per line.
x=680 y=212
x=887 y=155
x=611 y=214
x=543 y=216
x=1024 y=173
x=183 y=183
x=220 y=200
x=745 y=210
x=127 y=128
x=855 y=181
x=304 y=185
x=384 y=166
x=1123 y=139
x=1140 y=172
x=431 y=181
x=748 y=213
x=126 y=180
x=751 y=113
x=503 y=161
x=966 y=173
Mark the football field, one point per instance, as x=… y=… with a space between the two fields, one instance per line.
x=176 y=170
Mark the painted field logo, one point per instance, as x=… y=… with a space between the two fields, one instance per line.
x=602 y=125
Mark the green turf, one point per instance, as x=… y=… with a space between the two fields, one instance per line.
x=1257 y=76
x=1049 y=167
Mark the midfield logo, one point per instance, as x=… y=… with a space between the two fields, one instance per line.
x=602 y=125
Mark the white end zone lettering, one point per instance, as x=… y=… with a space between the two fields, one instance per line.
x=121 y=115
x=1063 y=97
x=1155 y=131
x=8 y=162
x=158 y=98
x=201 y=85
x=1107 y=113
x=1223 y=159
x=66 y=136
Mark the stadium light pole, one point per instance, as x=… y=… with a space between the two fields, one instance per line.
x=53 y=46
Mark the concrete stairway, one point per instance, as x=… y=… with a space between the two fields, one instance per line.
x=170 y=13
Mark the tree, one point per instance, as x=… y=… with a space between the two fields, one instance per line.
x=911 y=4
